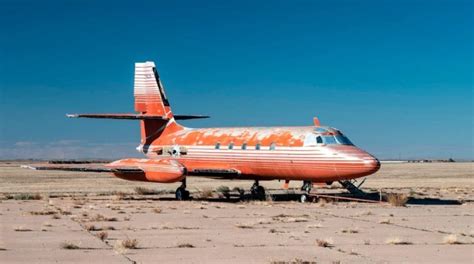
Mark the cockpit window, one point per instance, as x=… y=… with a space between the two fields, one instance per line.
x=337 y=139
x=319 y=140
x=329 y=140
x=343 y=140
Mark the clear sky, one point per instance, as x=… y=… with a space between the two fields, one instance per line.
x=395 y=76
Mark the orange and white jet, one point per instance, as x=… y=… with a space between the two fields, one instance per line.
x=312 y=154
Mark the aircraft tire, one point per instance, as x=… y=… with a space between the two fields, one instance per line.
x=182 y=194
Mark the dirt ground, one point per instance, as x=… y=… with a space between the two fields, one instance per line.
x=69 y=217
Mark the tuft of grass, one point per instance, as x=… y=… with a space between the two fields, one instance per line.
x=294 y=261
x=145 y=191
x=451 y=240
x=44 y=212
x=100 y=218
x=90 y=228
x=22 y=229
x=69 y=245
x=318 y=225
x=185 y=245
x=324 y=242
x=102 y=235
x=27 y=196
x=385 y=221
x=397 y=199
x=397 y=241
x=350 y=230
x=245 y=225
x=129 y=243
x=56 y=216
x=205 y=193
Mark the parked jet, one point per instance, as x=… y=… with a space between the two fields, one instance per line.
x=312 y=154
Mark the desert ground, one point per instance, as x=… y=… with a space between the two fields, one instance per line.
x=71 y=217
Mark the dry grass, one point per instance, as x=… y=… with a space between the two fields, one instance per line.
x=100 y=218
x=56 y=216
x=156 y=210
x=102 y=235
x=397 y=199
x=130 y=243
x=22 y=229
x=350 y=230
x=385 y=221
x=27 y=196
x=185 y=245
x=324 y=242
x=397 y=241
x=44 y=212
x=69 y=245
x=295 y=261
x=205 y=193
x=245 y=225
x=145 y=191
x=451 y=240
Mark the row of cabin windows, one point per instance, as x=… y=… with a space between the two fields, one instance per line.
x=244 y=146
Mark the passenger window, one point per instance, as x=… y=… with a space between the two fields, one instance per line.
x=272 y=146
x=257 y=147
x=218 y=145
x=231 y=145
x=244 y=146
x=319 y=140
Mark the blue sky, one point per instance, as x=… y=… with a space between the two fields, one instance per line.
x=395 y=76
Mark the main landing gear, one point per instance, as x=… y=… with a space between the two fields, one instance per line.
x=307 y=186
x=257 y=191
x=181 y=193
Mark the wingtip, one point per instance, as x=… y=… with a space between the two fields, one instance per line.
x=72 y=115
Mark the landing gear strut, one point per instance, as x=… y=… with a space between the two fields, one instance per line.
x=307 y=186
x=181 y=193
x=257 y=191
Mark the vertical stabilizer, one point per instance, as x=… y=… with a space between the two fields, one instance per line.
x=150 y=97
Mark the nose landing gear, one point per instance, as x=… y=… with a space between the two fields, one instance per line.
x=181 y=193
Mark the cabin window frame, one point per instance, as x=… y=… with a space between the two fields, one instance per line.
x=230 y=146
x=258 y=146
x=218 y=145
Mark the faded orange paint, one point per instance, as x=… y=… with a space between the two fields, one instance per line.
x=287 y=153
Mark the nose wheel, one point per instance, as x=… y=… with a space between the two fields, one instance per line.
x=181 y=193
x=257 y=191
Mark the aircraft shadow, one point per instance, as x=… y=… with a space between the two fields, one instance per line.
x=328 y=197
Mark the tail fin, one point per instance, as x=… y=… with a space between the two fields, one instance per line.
x=150 y=97
x=151 y=100
x=152 y=105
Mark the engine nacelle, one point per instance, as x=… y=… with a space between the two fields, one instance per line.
x=163 y=170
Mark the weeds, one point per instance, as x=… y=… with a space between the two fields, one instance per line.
x=69 y=245
x=397 y=199
x=324 y=243
x=397 y=241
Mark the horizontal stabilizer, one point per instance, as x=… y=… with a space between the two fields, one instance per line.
x=117 y=116
x=68 y=167
x=186 y=117
x=134 y=116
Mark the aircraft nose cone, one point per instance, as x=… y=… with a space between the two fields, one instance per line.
x=371 y=165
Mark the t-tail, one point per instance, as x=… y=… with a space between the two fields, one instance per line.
x=151 y=104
